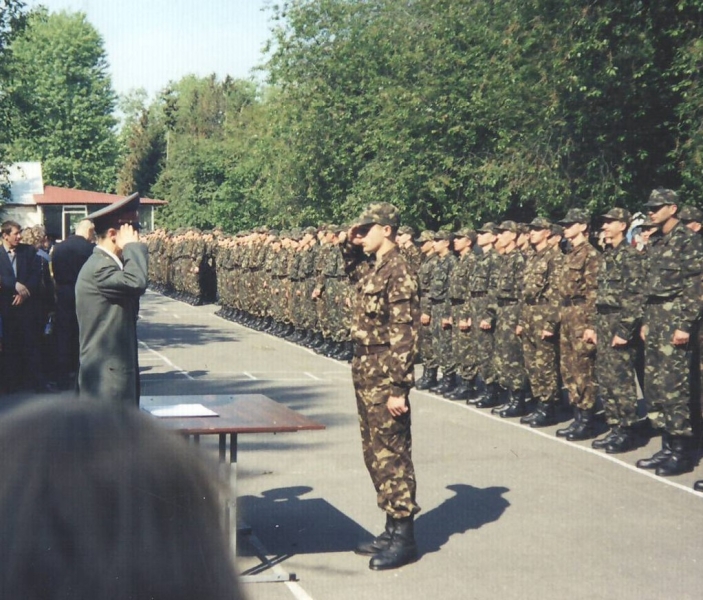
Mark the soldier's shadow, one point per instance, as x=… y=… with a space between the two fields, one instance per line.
x=469 y=508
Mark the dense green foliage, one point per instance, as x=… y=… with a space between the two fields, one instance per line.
x=458 y=111
x=63 y=102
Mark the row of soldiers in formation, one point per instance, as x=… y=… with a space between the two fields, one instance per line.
x=514 y=316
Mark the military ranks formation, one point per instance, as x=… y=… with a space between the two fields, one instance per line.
x=521 y=319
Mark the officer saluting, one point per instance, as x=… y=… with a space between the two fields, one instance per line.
x=107 y=302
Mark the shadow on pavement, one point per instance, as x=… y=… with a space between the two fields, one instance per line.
x=470 y=508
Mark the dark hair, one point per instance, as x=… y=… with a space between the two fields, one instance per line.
x=99 y=502
x=7 y=227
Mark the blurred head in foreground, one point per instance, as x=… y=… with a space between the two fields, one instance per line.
x=100 y=502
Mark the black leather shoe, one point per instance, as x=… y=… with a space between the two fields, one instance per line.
x=379 y=543
x=698 y=486
x=400 y=551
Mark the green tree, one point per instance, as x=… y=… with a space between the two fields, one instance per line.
x=64 y=101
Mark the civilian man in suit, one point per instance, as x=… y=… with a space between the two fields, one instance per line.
x=68 y=258
x=107 y=302
x=19 y=280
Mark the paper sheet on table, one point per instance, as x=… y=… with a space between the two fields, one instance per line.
x=181 y=410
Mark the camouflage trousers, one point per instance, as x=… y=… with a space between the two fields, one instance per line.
x=540 y=355
x=425 y=336
x=386 y=441
x=480 y=360
x=441 y=339
x=338 y=311
x=461 y=345
x=577 y=358
x=615 y=374
x=667 y=372
x=508 y=362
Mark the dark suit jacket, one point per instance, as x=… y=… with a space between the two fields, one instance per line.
x=107 y=303
x=28 y=273
x=69 y=257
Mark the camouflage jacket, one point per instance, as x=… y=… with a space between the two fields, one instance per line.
x=508 y=279
x=459 y=283
x=439 y=282
x=620 y=281
x=674 y=273
x=413 y=256
x=386 y=312
x=579 y=280
x=482 y=280
x=540 y=281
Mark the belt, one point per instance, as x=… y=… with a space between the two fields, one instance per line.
x=457 y=302
x=478 y=294
x=656 y=300
x=573 y=301
x=504 y=302
x=361 y=350
x=607 y=310
x=536 y=301
x=433 y=301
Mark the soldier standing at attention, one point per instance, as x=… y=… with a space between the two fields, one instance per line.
x=671 y=312
x=429 y=373
x=482 y=317
x=507 y=351
x=619 y=314
x=539 y=319
x=459 y=297
x=441 y=311
x=577 y=344
x=408 y=249
x=384 y=332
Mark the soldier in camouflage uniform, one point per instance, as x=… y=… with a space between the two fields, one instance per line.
x=408 y=249
x=441 y=310
x=464 y=240
x=482 y=281
x=539 y=318
x=577 y=348
x=508 y=363
x=619 y=314
x=429 y=373
x=671 y=313
x=384 y=331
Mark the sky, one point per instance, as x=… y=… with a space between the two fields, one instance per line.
x=152 y=42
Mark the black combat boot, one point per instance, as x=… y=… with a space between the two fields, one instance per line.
x=602 y=443
x=461 y=392
x=492 y=396
x=442 y=385
x=623 y=441
x=428 y=379
x=680 y=459
x=481 y=391
x=516 y=406
x=379 y=543
x=698 y=486
x=401 y=550
x=658 y=458
x=586 y=429
x=545 y=415
x=564 y=431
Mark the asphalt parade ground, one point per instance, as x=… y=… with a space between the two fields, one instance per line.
x=507 y=511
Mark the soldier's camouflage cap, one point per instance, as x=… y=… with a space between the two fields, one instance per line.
x=662 y=197
x=426 y=236
x=523 y=228
x=691 y=213
x=509 y=226
x=380 y=213
x=648 y=223
x=576 y=215
x=618 y=214
x=310 y=230
x=406 y=230
x=444 y=235
x=556 y=229
x=296 y=234
x=540 y=223
x=466 y=232
x=489 y=227
x=273 y=232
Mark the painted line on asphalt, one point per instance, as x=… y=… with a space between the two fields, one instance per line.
x=249 y=375
x=553 y=438
x=167 y=361
x=311 y=376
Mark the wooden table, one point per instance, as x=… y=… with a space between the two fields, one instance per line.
x=240 y=413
